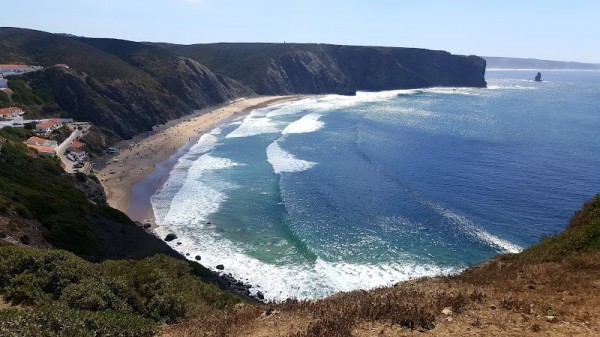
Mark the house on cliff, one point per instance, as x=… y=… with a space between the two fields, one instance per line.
x=10 y=113
x=17 y=69
x=75 y=151
x=43 y=146
x=38 y=141
x=3 y=83
x=48 y=126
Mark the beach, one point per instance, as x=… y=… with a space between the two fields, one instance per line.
x=137 y=159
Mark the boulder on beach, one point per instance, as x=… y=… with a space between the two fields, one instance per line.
x=220 y=267
x=170 y=237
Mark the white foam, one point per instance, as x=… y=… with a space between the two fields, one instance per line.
x=195 y=194
x=454 y=91
x=471 y=229
x=509 y=87
x=254 y=124
x=283 y=161
x=308 y=123
x=265 y=120
x=207 y=142
x=307 y=280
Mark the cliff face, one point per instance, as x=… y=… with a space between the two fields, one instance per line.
x=378 y=68
x=121 y=86
x=318 y=69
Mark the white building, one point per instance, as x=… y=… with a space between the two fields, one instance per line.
x=37 y=141
x=16 y=69
x=42 y=146
x=77 y=155
x=3 y=82
x=48 y=126
x=9 y=113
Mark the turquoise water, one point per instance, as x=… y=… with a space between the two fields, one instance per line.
x=335 y=193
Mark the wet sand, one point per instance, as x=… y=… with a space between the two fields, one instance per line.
x=160 y=151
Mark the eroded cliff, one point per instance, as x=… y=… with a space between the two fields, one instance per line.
x=320 y=68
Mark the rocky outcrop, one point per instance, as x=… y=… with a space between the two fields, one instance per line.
x=92 y=189
x=318 y=69
x=304 y=72
x=381 y=68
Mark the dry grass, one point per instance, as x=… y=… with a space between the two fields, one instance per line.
x=496 y=298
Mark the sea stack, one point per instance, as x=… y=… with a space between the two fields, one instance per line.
x=538 y=77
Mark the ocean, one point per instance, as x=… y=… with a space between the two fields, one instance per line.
x=334 y=193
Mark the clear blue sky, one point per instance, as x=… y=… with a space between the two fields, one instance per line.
x=546 y=29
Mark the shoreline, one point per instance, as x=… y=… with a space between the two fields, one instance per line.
x=154 y=154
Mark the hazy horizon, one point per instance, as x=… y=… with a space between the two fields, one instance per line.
x=536 y=29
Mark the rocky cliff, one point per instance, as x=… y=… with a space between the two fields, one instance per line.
x=122 y=86
x=317 y=68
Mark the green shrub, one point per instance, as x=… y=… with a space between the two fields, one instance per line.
x=93 y=295
x=32 y=276
x=60 y=321
x=159 y=288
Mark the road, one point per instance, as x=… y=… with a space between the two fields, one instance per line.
x=60 y=152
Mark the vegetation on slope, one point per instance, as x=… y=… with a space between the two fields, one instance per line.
x=35 y=190
x=581 y=236
x=247 y=63
x=60 y=294
x=123 y=87
x=67 y=296
x=287 y=68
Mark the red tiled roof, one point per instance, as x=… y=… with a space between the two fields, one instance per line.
x=36 y=140
x=47 y=124
x=42 y=149
x=9 y=110
x=76 y=144
x=14 y=66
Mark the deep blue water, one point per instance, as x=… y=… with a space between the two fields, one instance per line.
x=337 y=193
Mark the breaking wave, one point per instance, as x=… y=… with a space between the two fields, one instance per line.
x=283 y=161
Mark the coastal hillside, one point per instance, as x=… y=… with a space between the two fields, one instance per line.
x=319 y=68
x=42 y=206
x=550 y=289
x=121 y=86
x=536 y=64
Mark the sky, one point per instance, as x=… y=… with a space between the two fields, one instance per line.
x=548 y=29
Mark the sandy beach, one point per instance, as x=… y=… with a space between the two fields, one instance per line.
x=138 y=159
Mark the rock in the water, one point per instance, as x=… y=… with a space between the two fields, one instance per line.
x=260 y=295
x=447 y=311
x=220 y=267
x=198 y=258
x=538 y=77
x=170 y=237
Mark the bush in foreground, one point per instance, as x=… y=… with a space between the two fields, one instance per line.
x=159 y=289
